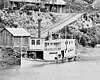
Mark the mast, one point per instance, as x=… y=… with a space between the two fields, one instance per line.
x=65 y=32
x=21 y=49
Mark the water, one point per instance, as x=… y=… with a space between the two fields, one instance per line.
x=78 y=70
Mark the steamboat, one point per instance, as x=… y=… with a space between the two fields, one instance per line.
x=50 y=50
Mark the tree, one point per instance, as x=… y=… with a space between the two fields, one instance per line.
x=69 y=3
x=89 y=1
x=3 y=3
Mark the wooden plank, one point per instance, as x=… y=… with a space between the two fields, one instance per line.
x=16 y=41
x=5 y=39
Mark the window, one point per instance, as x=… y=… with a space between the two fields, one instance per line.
x=66 y=42
x=87 y=25
x=53 y=52
x=48 y=44
x=51 y=43
x=69 y=42
x=83 y=21
x=54 y=43
x=38 y=42
x=45 y=44
x=33 y=42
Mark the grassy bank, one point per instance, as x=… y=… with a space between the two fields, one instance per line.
x=88 y=54
x=8 y=63
x=9 y=58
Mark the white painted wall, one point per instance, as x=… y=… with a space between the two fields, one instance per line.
x=70 y=52
x=48 y=56
x=51 y=48
x=41 y=46
x=70 y=48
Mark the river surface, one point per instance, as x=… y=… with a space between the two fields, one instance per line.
x=86 y=69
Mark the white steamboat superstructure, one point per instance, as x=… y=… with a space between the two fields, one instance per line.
x=52 y=49
x=57 y=49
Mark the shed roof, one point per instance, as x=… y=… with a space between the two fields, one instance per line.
x=18 y=32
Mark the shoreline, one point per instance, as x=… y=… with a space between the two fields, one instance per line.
x=86 y=54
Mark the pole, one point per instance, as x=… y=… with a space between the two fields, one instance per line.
x=4 y=5
x=8 y=4
x=21 y=49
x=39 y=27
x=49 y=7
x=65 y=32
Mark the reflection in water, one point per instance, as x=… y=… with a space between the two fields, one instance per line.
x=10 y=73
x=84 y=70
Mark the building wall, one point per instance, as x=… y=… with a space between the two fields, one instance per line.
x=67 y=46
x=50 y=55
x=6 y=39
x=17 y=41
x=51 y=49
x=35 y=46
x=70 y=52
x=50 y=4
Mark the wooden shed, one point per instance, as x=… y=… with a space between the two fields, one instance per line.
x=1 y=26
x=14 y=37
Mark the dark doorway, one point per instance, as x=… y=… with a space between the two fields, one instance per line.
x=39 y=54
x=62 y=53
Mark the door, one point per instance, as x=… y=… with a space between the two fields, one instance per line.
x=62 y=53
x=39 y=55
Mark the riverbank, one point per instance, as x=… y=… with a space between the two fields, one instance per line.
x=85 y=68
x=9 y=58
x=88 y=54
x=9 y=63
x=85 y=55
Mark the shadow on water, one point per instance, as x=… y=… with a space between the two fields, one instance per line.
x=9 y=72
x=79 y=59
x=36 y=71
x=85 y=59
x=49 y=64
x=11 y=68
x=46 y=64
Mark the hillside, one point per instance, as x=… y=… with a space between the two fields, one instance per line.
x=84 y=28
x=29 y=20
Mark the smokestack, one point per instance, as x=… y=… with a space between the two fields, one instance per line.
x=39 y=27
